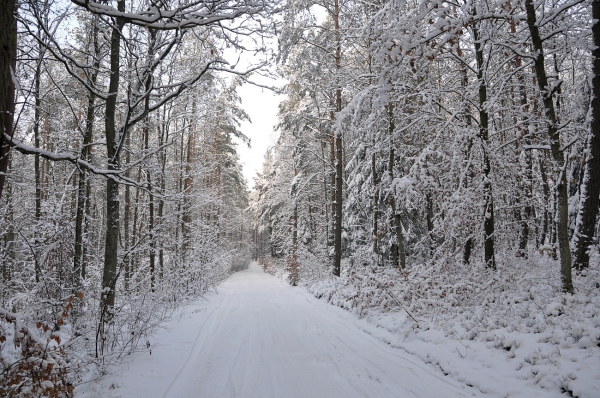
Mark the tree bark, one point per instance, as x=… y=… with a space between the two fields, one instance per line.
x=488 y=221
x=8 y=60
x=9 y=238
x=82 y=191
x=590 y=189
x=375 y=233
x=112 y=187
x=528 y=186
x=151 y=237
x=293 y=261
x=161 y=203
x=126 y=220
x=397 y=249
x=186 y=219
x=151 y=234
x=555 y=147
x=430 y=223
x=339 y=158
x=468 y=246
x=37 y=144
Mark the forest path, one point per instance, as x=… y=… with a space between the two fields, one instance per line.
x=260 y=337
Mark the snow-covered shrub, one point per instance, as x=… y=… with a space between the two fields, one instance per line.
x=33 y=361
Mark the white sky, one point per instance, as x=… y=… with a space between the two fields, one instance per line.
x=261 y=105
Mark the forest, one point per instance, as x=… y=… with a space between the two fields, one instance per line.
x=438 y=159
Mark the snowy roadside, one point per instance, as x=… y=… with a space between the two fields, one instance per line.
x=504 y=338
x=137 y=373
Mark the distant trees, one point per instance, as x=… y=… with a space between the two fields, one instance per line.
x=465 y=131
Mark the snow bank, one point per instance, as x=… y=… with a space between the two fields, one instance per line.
x=510 y=333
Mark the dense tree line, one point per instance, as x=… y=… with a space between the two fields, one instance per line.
x=122 y=192
x=436 y=132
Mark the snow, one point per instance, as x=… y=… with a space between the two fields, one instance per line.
x=506 y=339
x=259 y=337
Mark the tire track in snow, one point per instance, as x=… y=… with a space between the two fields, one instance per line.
x=263 y=338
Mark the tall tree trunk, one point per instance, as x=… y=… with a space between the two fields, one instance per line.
x=375 y=233
x=151 y=232
x=555 y=147
x=127 y=242
x=151 y=237
x=161 y=203
x=430 y=223
x=180 y=203
x=186 y=219
x=293 y=261
x=590 y=189
x=326 y=192
x=82 y=191
x=528 y=185
x=398 y=250
x=332 y=173
x=9 y=238
x=36 y=143
x=546 y=191
x=8 y=61
x=109 y=276
x=88 y=216
x=488 y=221
x=136 y=228
x=468 y=247
x=339 y=158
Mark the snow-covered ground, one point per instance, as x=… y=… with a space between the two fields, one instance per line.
x=260 y=337
x=509 y=333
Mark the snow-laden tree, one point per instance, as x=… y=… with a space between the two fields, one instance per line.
x=455 y=144
x=137 y=96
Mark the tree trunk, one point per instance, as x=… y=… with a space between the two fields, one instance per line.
x=151 y=237
x=430 y=223
x=468 y=247
x=88 y=213
x=109 y=276
x=528 y=186
x=36 y=143
x=339 y=169
x=161 y=202
x=9 y=238
x=135 y=231
x=398 y=250
x=126 y=220
x=151 y=234
x=186 y=218
x=326 y=194
x=82 y=191
x=590 y=189
x=293 y=261
x=375 y=234
x=557 y=153
x=488 y=221
x=339 y=157
x=8 y=60
x=546 y=191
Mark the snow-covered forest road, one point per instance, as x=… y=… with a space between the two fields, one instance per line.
x=259 y=337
